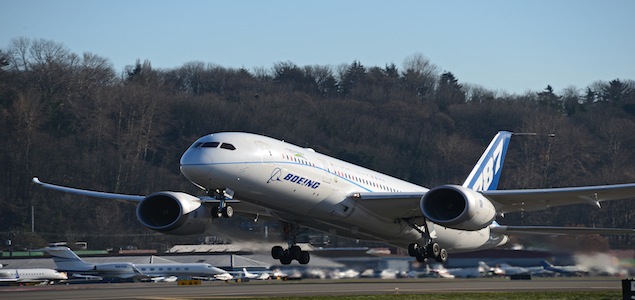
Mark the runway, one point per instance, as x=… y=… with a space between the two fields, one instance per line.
x=304 y=288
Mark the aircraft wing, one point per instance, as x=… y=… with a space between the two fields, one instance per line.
x=536 y=199
x=406 y=205
x=391 y=205
x=505 y=229
x=239 y=206
x=88 y=193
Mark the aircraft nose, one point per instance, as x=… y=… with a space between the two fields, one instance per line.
x=195 y=163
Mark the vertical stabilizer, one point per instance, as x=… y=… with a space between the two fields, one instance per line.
x=486 y=172
x=66 y=260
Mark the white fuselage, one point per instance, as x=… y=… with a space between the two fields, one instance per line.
x=129 y=270
x=301 y=186
x=181 y=269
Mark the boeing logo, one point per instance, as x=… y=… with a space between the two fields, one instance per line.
x=302 y=181
x=277 y=173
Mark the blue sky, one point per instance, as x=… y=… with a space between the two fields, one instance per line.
x=511 y=46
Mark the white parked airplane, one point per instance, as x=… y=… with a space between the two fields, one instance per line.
x=66 y=260
x=474 y=272
x=261 y=176
x=258 y=276
x=30 y=275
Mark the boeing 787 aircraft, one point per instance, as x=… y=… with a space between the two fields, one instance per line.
x=263 y=177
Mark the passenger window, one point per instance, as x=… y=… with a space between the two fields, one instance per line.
x=228 y=146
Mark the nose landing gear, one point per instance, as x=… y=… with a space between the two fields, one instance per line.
x=223 y=209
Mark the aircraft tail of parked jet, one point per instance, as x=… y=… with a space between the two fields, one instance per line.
x=66 y=259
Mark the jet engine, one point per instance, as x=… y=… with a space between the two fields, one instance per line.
x=173 y=213
x=457 y=207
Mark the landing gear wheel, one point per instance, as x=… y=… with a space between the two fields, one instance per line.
x=420 y=258
x=433 y=250
x=286 y=258
x=277 y=252
x=304 y=257
x=216 y=212
x=227 y=211
x=413 y=249
x=443 y=256
x=295 y=251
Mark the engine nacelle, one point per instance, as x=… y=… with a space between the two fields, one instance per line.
x=457 y=207
x=173 y=213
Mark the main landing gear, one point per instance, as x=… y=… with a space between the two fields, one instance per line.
x=294 y=252
x=223 y=209
x=286 y=256
x=430 y=249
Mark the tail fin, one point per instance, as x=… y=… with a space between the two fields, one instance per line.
x=482 y=264
x=65 y=259
x=547 y=265
x=487 y=171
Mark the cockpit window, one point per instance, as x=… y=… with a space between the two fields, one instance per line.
x=228 y=146
x=210 y=145
x=197 y=144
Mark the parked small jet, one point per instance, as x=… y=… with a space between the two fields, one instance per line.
x=66 y=260
x=260 y=176
x=565 y=270
x=473 y=272
x=221 y=277
x=30 y=275
x=258 y=276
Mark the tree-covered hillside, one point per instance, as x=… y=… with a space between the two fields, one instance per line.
x=71 y=119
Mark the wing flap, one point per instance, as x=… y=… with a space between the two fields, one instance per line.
x=536 y=199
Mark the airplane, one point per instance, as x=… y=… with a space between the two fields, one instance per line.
x=39 y=275
x=259 y=176
x=66 y=260
x=221 y=277
x=164 y=279
x=258 y=276
x=505 y=269
x=565 y=270
x=474 y=272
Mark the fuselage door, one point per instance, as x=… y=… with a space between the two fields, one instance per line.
x=327 y=171
x=266 y=155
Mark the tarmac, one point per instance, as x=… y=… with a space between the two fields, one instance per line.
x=310 y=287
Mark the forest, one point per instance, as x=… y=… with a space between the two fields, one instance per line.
x=72 y=119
